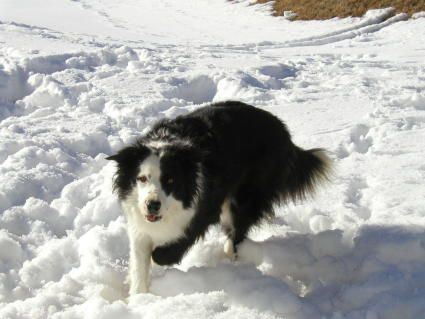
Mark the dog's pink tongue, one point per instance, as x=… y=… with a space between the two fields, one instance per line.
x=152 y=217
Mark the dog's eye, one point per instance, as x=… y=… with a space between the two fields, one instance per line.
x=142 y=179
x=170 y=181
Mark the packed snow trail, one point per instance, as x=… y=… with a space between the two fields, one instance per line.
x=73 y=92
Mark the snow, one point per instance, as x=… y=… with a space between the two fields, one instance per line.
x=81 y=79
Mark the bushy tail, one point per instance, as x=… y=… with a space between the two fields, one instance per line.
x=309 y=169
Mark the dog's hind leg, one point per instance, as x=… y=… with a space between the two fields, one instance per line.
x=246 y=211
x=226 y=222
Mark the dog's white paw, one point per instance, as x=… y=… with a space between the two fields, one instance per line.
x=229 y=250
x=138 y=288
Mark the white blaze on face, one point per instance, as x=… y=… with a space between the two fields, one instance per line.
x=149 y=190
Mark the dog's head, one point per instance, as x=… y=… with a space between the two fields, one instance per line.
x=157 y=180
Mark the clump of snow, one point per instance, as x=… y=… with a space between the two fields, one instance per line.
x=200 y=89
x=287 y=14
x=13 y=82
x=11 y=252
x=72 y=93
x=242 y=286
x=418 y=15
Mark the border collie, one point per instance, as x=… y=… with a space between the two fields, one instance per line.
x=227 y=163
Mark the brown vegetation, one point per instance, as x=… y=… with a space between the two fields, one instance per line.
x=326 y=9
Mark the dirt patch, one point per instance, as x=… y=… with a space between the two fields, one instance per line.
x=327 y=9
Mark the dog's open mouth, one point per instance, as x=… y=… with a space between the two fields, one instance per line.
x=153 y=217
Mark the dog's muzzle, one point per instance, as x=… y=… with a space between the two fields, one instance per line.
x=153 y=208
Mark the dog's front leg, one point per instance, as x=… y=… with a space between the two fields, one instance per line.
x=140 y=261
x=206 y=214
x=172 y=253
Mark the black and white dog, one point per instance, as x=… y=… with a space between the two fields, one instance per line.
x=227 y=163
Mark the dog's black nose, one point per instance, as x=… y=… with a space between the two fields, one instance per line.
x=153 y=206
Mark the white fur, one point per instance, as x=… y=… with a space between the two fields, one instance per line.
x=226 y=221
x=140 y=253
x=229 y=249
x=158 y=144
x=144 y=235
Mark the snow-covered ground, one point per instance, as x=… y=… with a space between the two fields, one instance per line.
x=80 y=79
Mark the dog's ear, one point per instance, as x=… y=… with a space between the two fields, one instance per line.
x=130 y=154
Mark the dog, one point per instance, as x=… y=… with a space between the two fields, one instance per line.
x=227 y=163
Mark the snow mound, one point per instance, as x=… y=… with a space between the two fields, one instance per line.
x=198 y=90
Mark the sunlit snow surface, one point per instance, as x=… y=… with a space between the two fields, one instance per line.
x=81 y=79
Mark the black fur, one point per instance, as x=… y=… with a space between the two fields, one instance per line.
x=128 y=160
x=244 y=155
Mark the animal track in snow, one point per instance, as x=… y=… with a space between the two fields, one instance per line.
x=359 y=141
x=354 y=196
